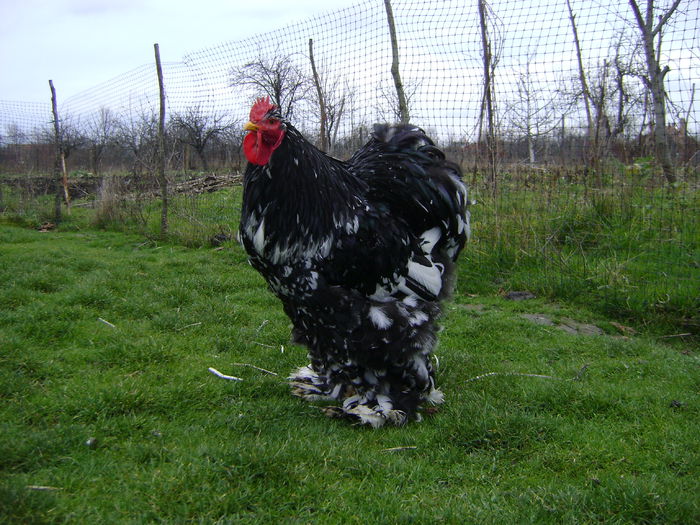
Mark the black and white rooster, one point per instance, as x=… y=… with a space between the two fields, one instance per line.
x=360 y=253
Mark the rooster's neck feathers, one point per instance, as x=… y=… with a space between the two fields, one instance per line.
x=302 y=194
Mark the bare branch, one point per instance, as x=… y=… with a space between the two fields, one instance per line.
x=323 y=145
x=637 y=13
x=664 y=18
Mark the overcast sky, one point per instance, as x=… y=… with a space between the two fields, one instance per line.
x=81 y=43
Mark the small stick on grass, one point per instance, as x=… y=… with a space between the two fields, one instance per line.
x=674 y=335
x=224 y=376
x=256 y=367
x=519 y=374
x=106 y=322
x=393 y=449
x=188 y=326
x=41 y=487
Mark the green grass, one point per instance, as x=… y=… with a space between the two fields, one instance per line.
x=630 y=253
x=610 y=436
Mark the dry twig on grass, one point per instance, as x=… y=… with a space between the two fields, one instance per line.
x=224 y=376
x=106 y=322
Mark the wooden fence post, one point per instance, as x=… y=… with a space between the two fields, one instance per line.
x=160 y=150
x=60 y=175
x=487 y=105
x=401 y=94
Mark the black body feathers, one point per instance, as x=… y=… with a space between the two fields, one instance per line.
x=360 y=253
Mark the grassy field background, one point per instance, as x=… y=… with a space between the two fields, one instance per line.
x=109 y=414
x=628 y=248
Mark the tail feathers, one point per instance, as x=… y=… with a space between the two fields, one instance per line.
x=403 y=136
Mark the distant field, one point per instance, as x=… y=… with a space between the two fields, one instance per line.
x=109 y=414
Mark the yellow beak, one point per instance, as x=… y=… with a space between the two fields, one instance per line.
x=250 y=127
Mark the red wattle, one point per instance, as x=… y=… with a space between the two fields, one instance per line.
x=255 y=149
x=258 y=150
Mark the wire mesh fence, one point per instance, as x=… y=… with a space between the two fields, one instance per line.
x=552 y=108
x=547 y=106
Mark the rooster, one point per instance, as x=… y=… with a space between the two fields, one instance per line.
x=361 y=254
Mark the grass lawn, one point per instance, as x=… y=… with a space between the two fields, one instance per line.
x=109 y=415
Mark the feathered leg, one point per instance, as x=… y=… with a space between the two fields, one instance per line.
x=379 y=370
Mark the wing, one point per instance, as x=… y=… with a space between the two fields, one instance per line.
x=371 y=254
x=422 y=196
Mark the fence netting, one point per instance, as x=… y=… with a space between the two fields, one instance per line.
x=548 y=106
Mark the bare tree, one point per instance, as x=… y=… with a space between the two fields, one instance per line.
x=388 y=106
x=278 y=77
x=626 y=98
x=15 y=135
x=70 y=135
x=227 y=147
x=650 y=31
x=137 y=134
x=599 y=94
x=101 y=132
x=687 y=145
x=536 y=112
x=197 y=129
x=337 y=102
x=613 y=98
x=329 y=100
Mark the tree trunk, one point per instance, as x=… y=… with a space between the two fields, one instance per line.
x=658 y=97
x=654 y=81
x=589 y=155
x=203 y=158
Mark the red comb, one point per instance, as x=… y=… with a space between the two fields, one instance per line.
x=260 y=108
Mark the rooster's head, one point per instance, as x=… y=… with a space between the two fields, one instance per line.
x=266 y=131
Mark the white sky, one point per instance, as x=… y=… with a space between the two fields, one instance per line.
x=81 y=43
